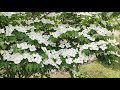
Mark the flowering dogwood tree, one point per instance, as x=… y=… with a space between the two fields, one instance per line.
x=39 y=42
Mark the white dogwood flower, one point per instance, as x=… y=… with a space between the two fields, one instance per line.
x=69 y=60
x=58 y=61
x=32 y=47
x=2 y=31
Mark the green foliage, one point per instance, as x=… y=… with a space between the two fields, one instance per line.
x=108 y=20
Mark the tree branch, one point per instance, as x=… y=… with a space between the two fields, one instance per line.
x=45 y=15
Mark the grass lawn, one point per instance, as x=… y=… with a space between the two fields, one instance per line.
x=97 y=70
x=92 y=70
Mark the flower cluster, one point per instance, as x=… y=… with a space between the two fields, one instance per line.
x=24 y=45
x=63 y=28
x=17 y=57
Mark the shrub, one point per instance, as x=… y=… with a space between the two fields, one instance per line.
x=38 y=42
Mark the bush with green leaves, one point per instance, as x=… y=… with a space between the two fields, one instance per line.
x=39 y=42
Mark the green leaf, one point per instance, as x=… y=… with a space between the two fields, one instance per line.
x=2 y=46
x=86 y=52
x=11 y=39
x=52 y=39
